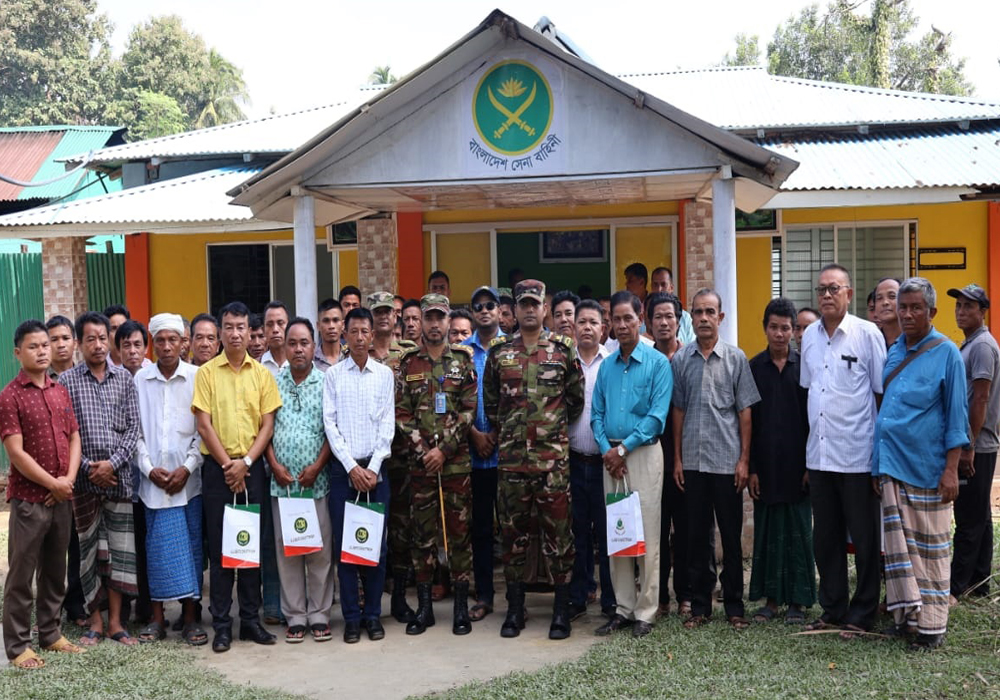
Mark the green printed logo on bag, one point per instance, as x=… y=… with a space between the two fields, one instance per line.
x=361 y=535
x=620 y=527
x=301 y=525
x=243 y=538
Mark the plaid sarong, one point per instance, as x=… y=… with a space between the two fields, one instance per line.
x=917 y=555
x=107 y=547
x=173 y=551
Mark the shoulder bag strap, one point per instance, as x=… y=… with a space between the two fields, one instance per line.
x=899 y=368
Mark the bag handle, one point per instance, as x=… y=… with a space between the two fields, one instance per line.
x=623 y=480
x=246 y=495
x=368 y=497
x=899 y=368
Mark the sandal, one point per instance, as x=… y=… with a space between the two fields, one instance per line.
x=124 y=638
x=480 y=610
x=794 y=616
x=764 y=614
x=738 y=622
x=851 y=632
x=194 y=635
x=295 y=634
x=321 y=633
x=91 y=638
x=28 y=660
x=684 y=608
x=694 y=622
x=65 y=646
x=820 y=624
x=153 y=632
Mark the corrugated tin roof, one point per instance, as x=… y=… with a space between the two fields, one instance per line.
x=935 y=157
x=75 y=140
x=750 y=98
x=195 y=198
x=21 y=154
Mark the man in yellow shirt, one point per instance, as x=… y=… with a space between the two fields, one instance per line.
x=235 y=399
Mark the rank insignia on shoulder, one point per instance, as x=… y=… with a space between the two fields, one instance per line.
x=497 y=341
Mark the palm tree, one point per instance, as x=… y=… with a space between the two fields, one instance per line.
x=224 y=93
x=382 y=75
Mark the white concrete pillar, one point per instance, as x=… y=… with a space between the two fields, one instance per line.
x=306 y=301
x=724 y=251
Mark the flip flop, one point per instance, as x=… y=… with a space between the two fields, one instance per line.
x=91 y=638
x=153 y=632
x=295 y=634
x=321 y=632
x=194 y=635
x=65 y=646
x=480 y=610
x=28 y=660
x=694 y=622
x=852 y=632
x=739 y=623
x=124 y=638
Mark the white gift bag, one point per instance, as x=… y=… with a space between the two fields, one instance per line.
x=241 y=535
x=361 y=541
x=626 y=537
x=300 y=532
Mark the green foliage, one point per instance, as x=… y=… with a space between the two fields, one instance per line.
x=382 y=75
x=747 y=51
x=56 y=67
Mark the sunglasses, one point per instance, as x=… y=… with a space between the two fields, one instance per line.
x=488 y=305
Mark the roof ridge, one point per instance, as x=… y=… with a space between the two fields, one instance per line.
x=888 y=92
x=706 y=69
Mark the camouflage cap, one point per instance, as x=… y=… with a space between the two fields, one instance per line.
x=974 y=292
x=530 y=289
x=435 y=302
x=380 y=300
x=505 y=292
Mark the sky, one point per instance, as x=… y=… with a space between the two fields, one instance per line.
x=303 y=53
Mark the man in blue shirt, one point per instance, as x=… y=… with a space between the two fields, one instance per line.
x=922 y=425
x=483 y=444
x=628 y=413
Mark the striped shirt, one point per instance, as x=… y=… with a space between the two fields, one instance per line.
x=359 y=412
x=108 y=414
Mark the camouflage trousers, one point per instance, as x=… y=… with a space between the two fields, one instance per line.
x=399 y=516
x=549 y=493
x=426 y=523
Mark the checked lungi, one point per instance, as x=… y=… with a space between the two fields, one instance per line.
x=917 y=553
x=174 y=552
x=107 y=547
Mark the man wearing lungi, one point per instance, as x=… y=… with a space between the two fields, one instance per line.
x=922 y=425
x=107 y=409
x=170 y=480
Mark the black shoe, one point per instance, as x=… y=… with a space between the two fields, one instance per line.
x=641 y=629
x=398 y=607
x=223 y=640
x=576 y=611
x=424 y=617
x=560 y=627
x=461 y=623
x=514 y=621
x=926 y=642
x=352 y=632
x=609 y=611
x=616 y=623
x=254 y=632
x=375 y=629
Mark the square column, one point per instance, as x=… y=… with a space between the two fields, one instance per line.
x=724 y=253
x=377 y=255
x=699 y=262
x=64 y=276
x=304 y=241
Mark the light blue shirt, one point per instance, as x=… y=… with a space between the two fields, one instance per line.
x=923 y=415
x=631 y=399
x=685 y=329
x=482 y=423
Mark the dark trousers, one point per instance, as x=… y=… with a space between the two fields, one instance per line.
x=341 y=491
x=484 y=506
x=708 y=494
x=972 y=559
x=143 y=606
x=586 y=483
x=270 y=582
x=39 y=536
x=846 y=504
x=215 y=496
x=74 y=603
x=674 y=510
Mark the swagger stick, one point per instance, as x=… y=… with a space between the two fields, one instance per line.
x=444 y=528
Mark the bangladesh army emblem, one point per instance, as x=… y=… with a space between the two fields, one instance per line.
x=512 y=107
x=620 y=527
x=361 y=535
x=301 y=525
x=243 y=538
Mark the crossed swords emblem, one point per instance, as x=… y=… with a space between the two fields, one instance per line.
x=515 y=116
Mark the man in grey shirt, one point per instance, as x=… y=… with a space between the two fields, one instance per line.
x=713 y=392
x=972 y=559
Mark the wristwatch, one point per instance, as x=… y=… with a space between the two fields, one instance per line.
x=247 y=461
x=622 y=451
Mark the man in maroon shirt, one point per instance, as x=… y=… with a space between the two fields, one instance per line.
x=41 y=436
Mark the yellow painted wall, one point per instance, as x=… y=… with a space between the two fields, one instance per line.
x=347 y=261
x=466 y=259
x=649 y=245
x=753 y=280
x=960 y=224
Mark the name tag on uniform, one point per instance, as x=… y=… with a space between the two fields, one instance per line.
x=440 y=402
x=509 y=362
x=414 y=377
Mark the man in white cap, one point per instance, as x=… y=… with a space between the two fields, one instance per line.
x=170 y=483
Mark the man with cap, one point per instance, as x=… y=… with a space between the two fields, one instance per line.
x=435 y=405
x=386 y=350
x=483 y=441
x=532 y=390
x=972 y=560
x=170 y=483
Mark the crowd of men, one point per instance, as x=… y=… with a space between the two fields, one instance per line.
x=514 y=421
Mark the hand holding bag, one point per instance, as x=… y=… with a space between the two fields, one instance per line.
x=241 y=535
x=300 y=532
x=361 y=538
x=626 y=537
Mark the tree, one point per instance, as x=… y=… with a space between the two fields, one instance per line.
x=382 y=75
x=747 y=51
x=223 y=93
x=839 y=45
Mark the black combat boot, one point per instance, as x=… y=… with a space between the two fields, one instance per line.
x=400 y=609
x=424 y=616
x=462 y=623
x=560 y=628
x=514 y=622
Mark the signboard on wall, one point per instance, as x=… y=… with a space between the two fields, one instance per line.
x=514 y=119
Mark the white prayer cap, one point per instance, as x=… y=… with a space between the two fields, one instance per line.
x=166 y=322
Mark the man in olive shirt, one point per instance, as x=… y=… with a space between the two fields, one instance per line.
x=235 y=399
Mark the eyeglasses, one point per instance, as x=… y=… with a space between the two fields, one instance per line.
x=488 y=305
x=831 y=289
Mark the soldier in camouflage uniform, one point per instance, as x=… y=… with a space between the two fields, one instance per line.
x=388 y=352
x=533 y=389
x=436 y=403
